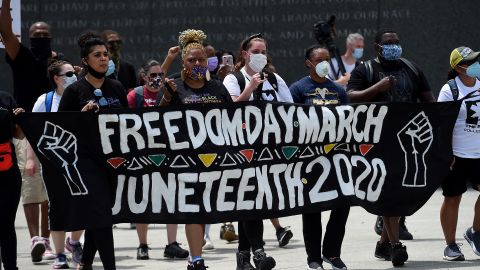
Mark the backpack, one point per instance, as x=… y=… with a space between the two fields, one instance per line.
x=139 y=99
x=49 y=101
x=272 y=79
x=368 y=66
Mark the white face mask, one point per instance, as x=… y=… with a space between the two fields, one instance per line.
x=322 y=69
x=257 y=62
x=69 y=80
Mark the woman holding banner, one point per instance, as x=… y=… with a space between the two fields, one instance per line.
x=251 y=81
x=195 y=86
x=91 y=93
x=463 y=82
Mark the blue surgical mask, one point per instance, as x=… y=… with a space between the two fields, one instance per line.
x=111 y=68
x=391 y=51
x=474 y=70
x=357 y=53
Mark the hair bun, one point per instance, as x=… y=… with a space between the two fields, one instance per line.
x=191 y=36
x=89 y=35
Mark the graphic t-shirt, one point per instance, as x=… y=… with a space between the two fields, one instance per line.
x=212 y=92
x=40 y=103
x=466 y=133
x=268 y=92
x=78 y=94
x=407 y=86
x=308 y=91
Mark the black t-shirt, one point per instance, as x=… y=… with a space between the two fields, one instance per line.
x=30 y=79
x=78 y=94
x=212 y=92
x=407 y=87
x=7 y=123
x=126 y=75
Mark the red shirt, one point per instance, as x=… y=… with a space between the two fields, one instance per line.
x=149 y=98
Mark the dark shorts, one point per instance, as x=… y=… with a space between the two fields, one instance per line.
x=464 y=171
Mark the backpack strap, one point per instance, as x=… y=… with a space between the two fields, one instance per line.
x=49 y=101
x=369 y=71
x=272 y=79
x=410 y=66
x=454 y=88
x=139 y=96
x=240 y=79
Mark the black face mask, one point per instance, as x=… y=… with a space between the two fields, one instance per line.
x=94 y=73
x=41 y=48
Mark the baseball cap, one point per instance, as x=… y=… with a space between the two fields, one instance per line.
x=462 y=54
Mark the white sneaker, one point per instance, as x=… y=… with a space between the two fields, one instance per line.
x=37 y=248
x=48 y=254
x=208 y=244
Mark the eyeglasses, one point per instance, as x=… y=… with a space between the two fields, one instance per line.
x=154 y=75
x=68 y=74
x=248 y=39
x=101 y=100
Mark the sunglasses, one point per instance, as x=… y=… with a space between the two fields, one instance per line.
x=101 y=100
x=68 y=74
x=154 y=75
x=115 y=42
x=248 y=39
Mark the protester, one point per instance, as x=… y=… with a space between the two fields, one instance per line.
x=386 y=78
x=61 y=74
x=354 y=52
x=250 y=82
x=149 y=95
x=32 y=61
x=118 y=68
x=10 y=184
x=94 y=92
x=463 y=82
x=195 y=86
x=317 y=89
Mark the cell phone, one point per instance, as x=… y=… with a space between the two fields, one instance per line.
x=227 y=60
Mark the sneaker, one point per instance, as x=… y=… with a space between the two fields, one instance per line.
x=142 y=252
x=48 y=254
x=382 y=250
x=473 y=238
x=398 y=254
x=262 y=261
x=174 y=251
x=452 y=252
x=243 y=261
x=75 y=249
x=314 y=266
x=197 y=265
x=283 y=236
x=37 y=248
x=403 y=232
x=60 y=262
x=208 y=244
x=336 y=262
x=229 y=233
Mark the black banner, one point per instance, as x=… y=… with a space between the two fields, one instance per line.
x=214 y=163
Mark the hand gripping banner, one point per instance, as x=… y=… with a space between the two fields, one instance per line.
x=214 y=163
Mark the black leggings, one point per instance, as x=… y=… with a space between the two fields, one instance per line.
x=10 y=187
x=100 y=239
x=250 y=235
x=334 y=233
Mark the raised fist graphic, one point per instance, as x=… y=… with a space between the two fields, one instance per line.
x=60 y=146
x=415 y=139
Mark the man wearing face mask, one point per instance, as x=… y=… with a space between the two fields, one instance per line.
x=31 y=62
x=317 y=89
x=118 y=69
x=350 y=59
x=386 y=78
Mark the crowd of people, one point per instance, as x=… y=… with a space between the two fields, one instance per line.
x=104 y=80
